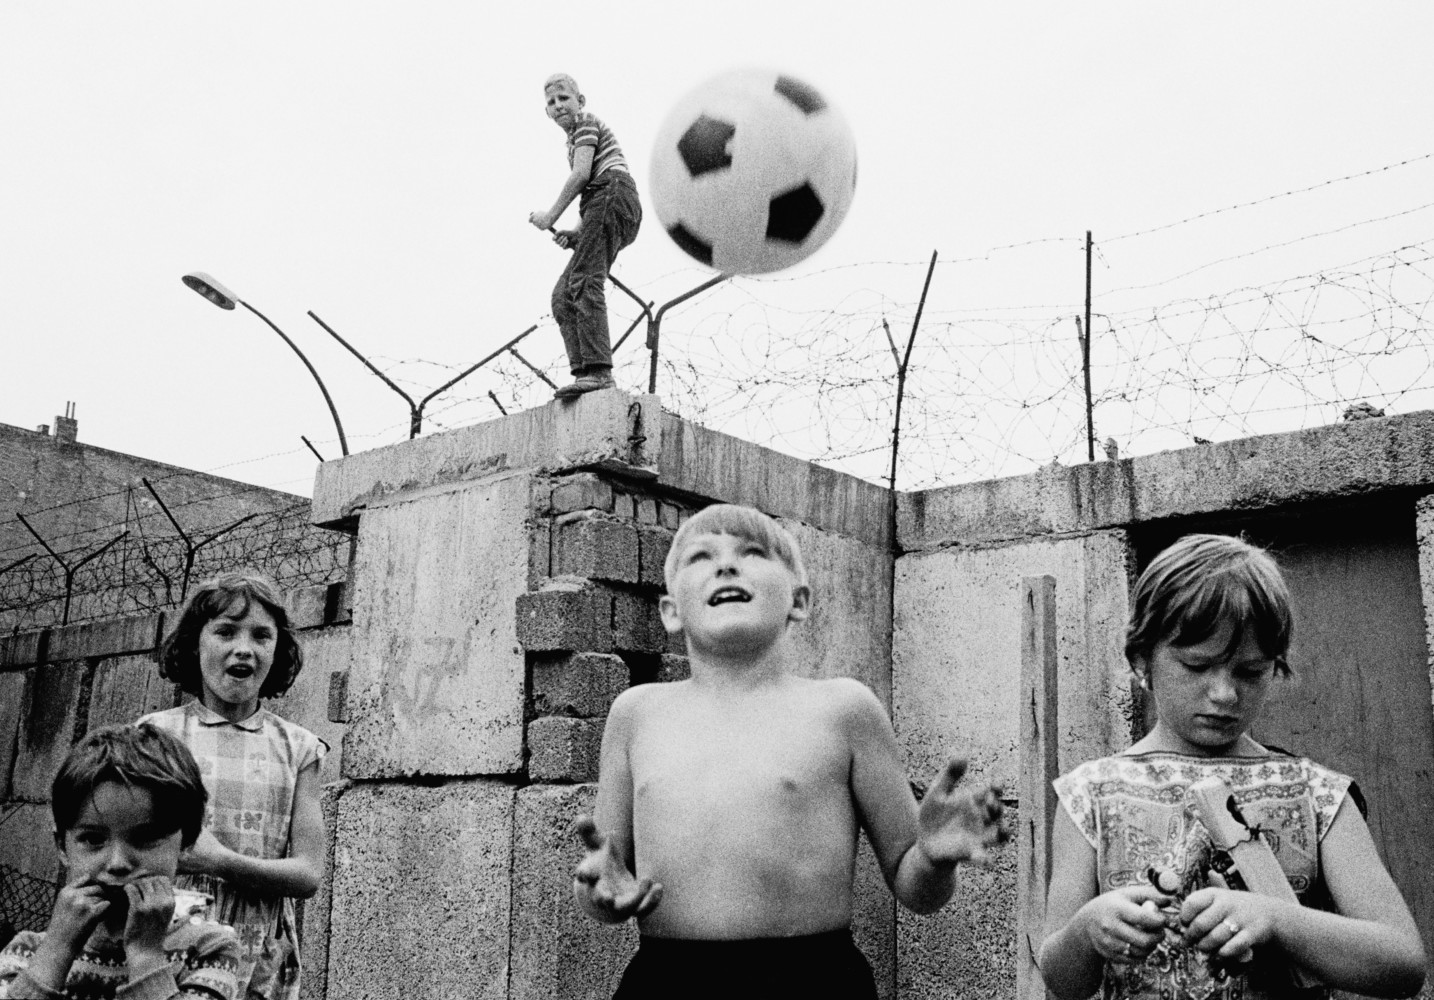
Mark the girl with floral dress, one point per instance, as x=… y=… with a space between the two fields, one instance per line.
x=1137 y=905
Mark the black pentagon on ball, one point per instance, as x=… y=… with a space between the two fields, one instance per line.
x=803 y=95
x=793 y=215
x=694 y=245
x=703 y=147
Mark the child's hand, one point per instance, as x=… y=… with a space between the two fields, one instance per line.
x=542 y=220
x=604 y=886
x=1229 y=924
x=959 y=825
x=79 y=907
x=151 y=907
x=1125 y=925
x=204 y=857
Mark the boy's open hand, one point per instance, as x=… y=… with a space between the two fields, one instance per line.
x=960 y=824
x=603 y=884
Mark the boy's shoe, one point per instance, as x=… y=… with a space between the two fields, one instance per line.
x=586 y=383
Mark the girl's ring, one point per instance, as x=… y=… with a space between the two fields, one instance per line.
x=1234 y=927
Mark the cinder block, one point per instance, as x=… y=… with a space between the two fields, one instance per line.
x=582 y=491
x=646 y=510
x=595 y=546
x=676 y=644
x=669 y=515
x=873 y=922
x=624 y=505
x=12 y=694
x=565 y=619
x=540 y=551
x=117 y=637
x=23 y=650
x=637 y=624
x=673 y=668
x=580 y=684
x=558 y=952
x=653 y=543
x=422 y=883
x=49 y=713
x=338 y=696
x=564 y=750
x=125 y=688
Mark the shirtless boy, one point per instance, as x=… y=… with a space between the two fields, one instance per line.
x=729 y=804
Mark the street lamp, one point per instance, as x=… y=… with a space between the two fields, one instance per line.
x=222 y=297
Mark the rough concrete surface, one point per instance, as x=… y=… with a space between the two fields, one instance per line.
x=594 y=430
x=436 y=677
x=126 y=687
x=12 y=693
x=957 y=652
x=1341 y=460
x=558 y=952
x=307 y=702
x=968 y=948
x=723 y=468
x=116 y=636
x=49 y=715
x=848 y=633
x=315 y=911
x=421 y=884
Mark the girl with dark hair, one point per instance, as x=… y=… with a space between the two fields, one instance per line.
x=263 y=841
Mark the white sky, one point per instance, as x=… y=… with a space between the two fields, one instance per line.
x=376 y=163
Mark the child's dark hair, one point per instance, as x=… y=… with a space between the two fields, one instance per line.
x=1191 y=588
x=179 y=653
x=140 y=756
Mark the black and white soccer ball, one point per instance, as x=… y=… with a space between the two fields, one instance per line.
x=753 y=171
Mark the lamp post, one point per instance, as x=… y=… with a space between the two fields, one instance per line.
x=222 y=297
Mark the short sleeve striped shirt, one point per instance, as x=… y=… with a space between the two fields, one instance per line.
x=590 y=131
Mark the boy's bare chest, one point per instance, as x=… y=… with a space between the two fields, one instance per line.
x=698 y=755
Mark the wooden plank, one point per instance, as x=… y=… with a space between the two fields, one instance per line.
x=1038 y=768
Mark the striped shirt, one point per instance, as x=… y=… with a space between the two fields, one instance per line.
x=590 y=131
x=203 y=961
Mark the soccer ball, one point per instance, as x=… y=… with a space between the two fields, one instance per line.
x=753 y=171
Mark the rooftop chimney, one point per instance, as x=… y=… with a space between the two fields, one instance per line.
x=67 y=427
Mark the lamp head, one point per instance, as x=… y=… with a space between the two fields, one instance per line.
x=211 y=289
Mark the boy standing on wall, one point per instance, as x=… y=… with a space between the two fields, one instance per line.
x=729 y=804
x=609 y=216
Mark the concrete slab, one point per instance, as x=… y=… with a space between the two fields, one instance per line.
x=12 y=693
x=314 y=912
x=710 y=464
x=115 y=637
x=594 y=431
x=957 y=652
x=1341 y=460
x=49 y=713
x=968 y=948
x=126 y=687
x=421 y=887
x=558 y=952
x=307 y=703
x=848 y=633
x=436 y=676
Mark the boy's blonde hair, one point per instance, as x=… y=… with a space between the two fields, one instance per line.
x=565 y=80
x=741 y=522
x=1201 y=581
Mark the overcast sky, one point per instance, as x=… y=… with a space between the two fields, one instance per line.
x=376 y=163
